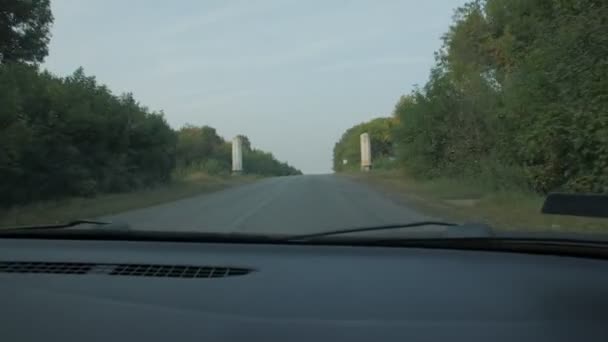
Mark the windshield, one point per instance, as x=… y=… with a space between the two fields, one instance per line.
x=301 y=117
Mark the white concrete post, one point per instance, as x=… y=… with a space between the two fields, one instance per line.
x=237 y=155
x=366 y=153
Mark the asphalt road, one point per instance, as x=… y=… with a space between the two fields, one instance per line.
x=282 y=205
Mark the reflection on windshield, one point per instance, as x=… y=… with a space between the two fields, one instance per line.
x=295 y=119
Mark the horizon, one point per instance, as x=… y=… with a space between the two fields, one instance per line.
x=278 y=72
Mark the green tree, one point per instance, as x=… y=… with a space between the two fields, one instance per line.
x=24 y=30
x=381 y=140
x=197 y=145
x=516 y=97
x=71 y=137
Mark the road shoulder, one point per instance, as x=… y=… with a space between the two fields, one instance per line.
x=45 y=212
x=461 y=202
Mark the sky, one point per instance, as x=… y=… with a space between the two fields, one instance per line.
x=291 y=75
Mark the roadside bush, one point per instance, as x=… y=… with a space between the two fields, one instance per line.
x=517 y=98
x=71 y=136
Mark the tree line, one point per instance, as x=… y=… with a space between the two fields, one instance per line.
x=70 y=136
x=347 y=152
x=517 y=97
x=201 y=148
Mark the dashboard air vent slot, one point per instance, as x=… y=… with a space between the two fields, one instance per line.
x=131 y=270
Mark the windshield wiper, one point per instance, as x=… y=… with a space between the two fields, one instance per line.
x=463 y=230
x=63 y=225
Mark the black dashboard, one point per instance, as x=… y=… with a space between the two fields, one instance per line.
x=68 y=290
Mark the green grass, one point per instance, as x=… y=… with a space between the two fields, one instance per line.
x=472 y=202
x=183 y=185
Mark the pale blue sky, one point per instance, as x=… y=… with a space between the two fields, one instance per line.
x=291 y=75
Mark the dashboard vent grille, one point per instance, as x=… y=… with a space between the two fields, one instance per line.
x=177 y=271
x=132 y=270
x=45 y=267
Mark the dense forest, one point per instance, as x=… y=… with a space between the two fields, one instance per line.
x=518 y=98
x=70 y=136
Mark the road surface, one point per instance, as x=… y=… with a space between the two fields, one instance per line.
x=281 y=205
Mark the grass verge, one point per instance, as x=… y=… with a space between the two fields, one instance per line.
x=68 y=209
x=466 y=202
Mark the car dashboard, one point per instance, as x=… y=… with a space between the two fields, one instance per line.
x=71 y=290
